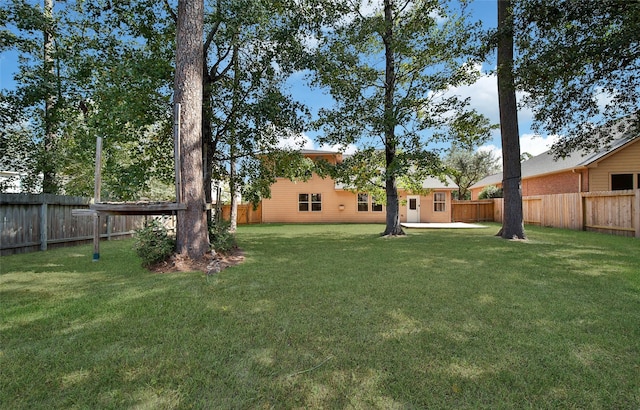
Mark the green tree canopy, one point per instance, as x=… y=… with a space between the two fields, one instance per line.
x=466 y=167
x=110 y=78
x=579 y=63
x=387 y=70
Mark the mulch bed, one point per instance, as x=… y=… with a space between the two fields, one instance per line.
x=181 y=263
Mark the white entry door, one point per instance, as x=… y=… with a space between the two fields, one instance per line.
x=413 y=208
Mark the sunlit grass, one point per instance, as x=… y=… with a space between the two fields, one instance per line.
x=330 y=316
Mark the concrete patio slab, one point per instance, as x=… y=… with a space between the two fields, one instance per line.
x=434 y=225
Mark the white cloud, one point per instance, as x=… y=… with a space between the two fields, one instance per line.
x=536 y=144
x=369 y=8
x=531 y=143
x=483 y=96
x=303 y=141
x=300 y=141
x=497 y=151
x=349 y=149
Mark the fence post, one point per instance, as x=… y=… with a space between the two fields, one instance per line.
x=109 y=227
x=96 y=198
x=43 y=224
x=637 y=213
x=583 y=212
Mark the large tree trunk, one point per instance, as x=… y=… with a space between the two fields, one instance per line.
x=49 y=185
x=512 y=224
x=192 y=233
x=233 y=186
x=207 y=138
x=233 y=217
x=393 y=226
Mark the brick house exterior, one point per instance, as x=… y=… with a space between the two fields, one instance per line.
x=613 y=168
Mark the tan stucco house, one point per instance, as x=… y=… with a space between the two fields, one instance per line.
x=322 y=200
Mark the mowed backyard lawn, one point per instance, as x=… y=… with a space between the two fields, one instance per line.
x=330 y=316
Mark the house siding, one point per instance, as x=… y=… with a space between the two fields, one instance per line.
x=283 y=204
x=427 y=213
x=282 y=207
x=624 y=161
x=475 y=192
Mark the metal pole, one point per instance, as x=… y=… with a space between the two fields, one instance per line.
x=176 y=151
x=96 y=196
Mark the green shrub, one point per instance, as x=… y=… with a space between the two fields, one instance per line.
x=490 y=191
x=153 y=243
x=219 y=236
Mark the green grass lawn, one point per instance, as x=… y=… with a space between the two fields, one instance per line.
x=330 y=316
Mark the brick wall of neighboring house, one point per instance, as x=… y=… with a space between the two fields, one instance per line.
x=561 y=183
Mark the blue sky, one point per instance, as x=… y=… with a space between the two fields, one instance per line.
x=483 y=94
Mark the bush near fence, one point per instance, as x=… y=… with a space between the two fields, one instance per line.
x=611 y=212
x=38 y=222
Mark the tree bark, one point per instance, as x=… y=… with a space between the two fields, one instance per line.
x=233 y=186
x=49 y=185
x=208 y=149
x=233 y=217
x=512 y=224
x=393 y=226
x=192 y=234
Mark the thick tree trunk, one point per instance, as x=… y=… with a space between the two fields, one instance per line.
x=49 y=185
x=233 y=220
x=192 y=233
x=207 y=138
x=393 y=226
x=233 y=187
x=512 y=224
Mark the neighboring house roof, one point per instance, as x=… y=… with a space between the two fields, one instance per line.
x=436 y=183
x=428 y=183
x=545 y=163
x=317 y=152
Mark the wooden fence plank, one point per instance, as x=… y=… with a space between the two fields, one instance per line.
x=472 y=211
x=612 y=212
x=246 y=214
x=32 y=222
x=636 y=213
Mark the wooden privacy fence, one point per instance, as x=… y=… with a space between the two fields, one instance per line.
x=37 y=222
x=612 y=212
x=616 y=212
x=559 y=211
x=246 y=214
x=472 y=211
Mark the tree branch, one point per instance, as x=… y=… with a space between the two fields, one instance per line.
x=169 y=10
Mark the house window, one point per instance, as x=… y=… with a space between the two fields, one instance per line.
x=363 y=202
x=303 y=202
x=309 y=202
x=316 y=202
x=621 y=181
x=375 y=205
x=439 y=201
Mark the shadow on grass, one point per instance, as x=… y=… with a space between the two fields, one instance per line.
x=330 y=317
